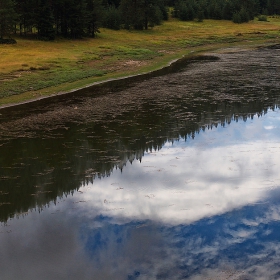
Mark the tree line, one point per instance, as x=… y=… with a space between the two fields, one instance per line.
x=236 y=10
x=80 y=18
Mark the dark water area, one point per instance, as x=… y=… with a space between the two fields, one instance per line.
x=174 y=176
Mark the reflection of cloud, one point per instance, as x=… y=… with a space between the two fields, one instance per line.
x=242 y=233
x=186 y=181
x=179 y=185
x=268 y=127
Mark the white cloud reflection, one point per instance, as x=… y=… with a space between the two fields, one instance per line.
x=187 y=181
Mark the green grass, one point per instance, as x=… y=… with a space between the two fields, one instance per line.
x=31 y=69
x=48 y=79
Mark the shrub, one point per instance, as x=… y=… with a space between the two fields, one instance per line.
x=7 y=41
x=186 y=13
x=241 y=16
x=262 y=18
x=200 y=16
x=244 y=15
x=236 y=18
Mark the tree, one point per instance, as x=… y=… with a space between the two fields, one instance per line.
x=227 y=10
x=273 y=7
x=7 y=17
x=60 y=17
x=215 y=9
x=200 y=15
x=77 y=17
x=94 y=16
x=244 y=15
x=27 y=11
x=45 y=22
x=140 y=14
x=164 y=9
x=185 y=10
x=236 y=18
x=112 y=18
x=129 y=13
x=109 y=3
x=249 y=9
x=152 y=13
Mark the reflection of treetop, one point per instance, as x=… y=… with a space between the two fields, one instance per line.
x=49 y=152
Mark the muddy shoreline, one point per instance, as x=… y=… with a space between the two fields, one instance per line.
x=110 y=83
x=115 y=84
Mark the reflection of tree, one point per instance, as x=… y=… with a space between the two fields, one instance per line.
x=48 y=153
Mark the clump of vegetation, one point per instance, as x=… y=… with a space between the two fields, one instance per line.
x=200 y=16
x=262 y=18
x=241 y=16
x=7 y=41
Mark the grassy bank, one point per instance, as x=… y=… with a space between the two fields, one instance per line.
x=31 y=68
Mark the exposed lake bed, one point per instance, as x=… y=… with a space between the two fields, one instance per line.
x=174 y=177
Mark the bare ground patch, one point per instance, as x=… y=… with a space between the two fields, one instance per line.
x=127 y=65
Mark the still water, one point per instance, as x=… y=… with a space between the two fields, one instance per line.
x=172 y=177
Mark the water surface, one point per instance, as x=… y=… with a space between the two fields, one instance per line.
x=173 y=177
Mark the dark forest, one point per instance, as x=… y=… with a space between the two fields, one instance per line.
x=47 y=19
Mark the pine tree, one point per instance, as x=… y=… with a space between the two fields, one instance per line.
x=76 y=17
x=45 y=23
x=185 y=10
x=61 y=17
x=152 y=13
x=94 y=16
x=140 y=14
x=227 y=10
x=27 y=11
x=112 y=18
x=132 y=14
x=7 y=17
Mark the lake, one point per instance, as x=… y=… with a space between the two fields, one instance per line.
x=172 y=175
